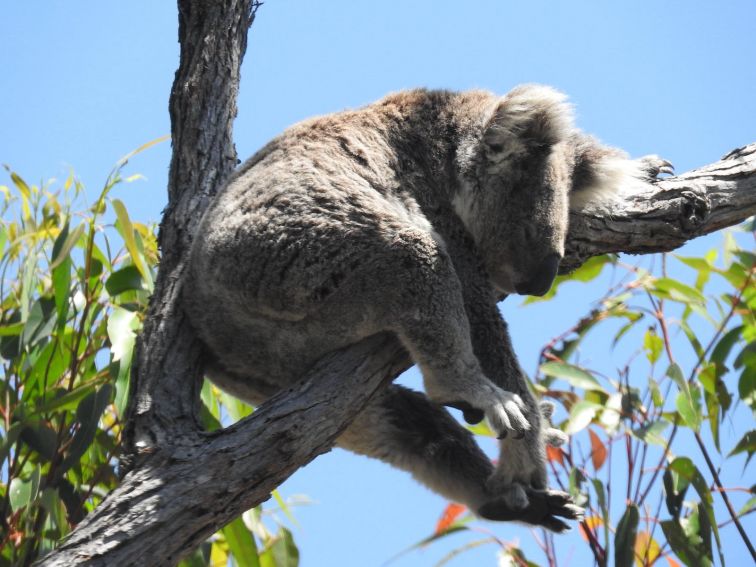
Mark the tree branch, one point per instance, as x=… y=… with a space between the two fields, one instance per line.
x=678 y=209
x=181 y=495
x=182 y=483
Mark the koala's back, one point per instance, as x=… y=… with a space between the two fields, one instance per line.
x=288 y=260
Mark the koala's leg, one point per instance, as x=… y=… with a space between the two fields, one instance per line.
x=404 y=429
x=429 y=317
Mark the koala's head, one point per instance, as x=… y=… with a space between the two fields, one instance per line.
x=515 y=199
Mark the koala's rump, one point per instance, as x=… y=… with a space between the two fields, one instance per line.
x=291 y=267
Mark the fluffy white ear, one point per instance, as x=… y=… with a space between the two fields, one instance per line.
x=527 y=117
x=606 y=174
x=610 y=177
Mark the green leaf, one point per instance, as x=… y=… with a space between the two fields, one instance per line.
x=282 y=553
x=686 y=548
x=122 y=325
x=667 y=288
x=11 y=330
x=724 y=346
x=652 y=432
x=653 y=345
x=675 y=372
x=656 y=395
x=64 y=243
x=88 y=415
x=11 y=436
x=236 y=408
x=581 y=414
x=241 y=542
x=40 y=437
x=284 y=507
x=126 y=230
x=40 y=323
x=688 y=401
x=675 y=488
x=61 y=277
x=27 y=278
x=747 y=444
x=209 y=411
x=125 y=279
x=65 y=401
x=20 y=493
x=748 y=506
x=624 y=539
x=598 y=488
x=3 y=239
x=591 y=268
x=688 y=404
x=571 y=374
x=692 y=338
x=687 y=470
x=747 y=386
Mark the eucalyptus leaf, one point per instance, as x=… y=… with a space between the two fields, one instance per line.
x=624 y=539
x=571 y=374
x=241 y=543
x=581 y=414
x=88 y=415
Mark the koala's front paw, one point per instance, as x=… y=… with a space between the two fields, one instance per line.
x=543 y=508
x=506 y=413
x=652 y=166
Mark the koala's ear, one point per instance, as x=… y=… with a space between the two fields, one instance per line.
x=528 y=117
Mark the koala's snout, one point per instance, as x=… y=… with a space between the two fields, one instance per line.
x=542 y=277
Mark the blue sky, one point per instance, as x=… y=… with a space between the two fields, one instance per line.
x=85 y=82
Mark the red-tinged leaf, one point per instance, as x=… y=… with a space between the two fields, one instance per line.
x=451 y=513
x=598 y=450
x=592 y=522
x=554 y=454
x=672 y=562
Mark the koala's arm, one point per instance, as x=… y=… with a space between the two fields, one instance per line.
x=488 y=331
x=522 y=464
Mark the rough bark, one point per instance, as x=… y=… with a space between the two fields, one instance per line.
x=679 y=209
x=182 y=483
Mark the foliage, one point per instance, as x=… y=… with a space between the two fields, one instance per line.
x=74 y=289
x=691 y=366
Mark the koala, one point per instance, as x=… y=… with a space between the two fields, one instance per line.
x=412 y=215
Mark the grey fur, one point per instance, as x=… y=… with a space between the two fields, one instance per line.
x=407 y=215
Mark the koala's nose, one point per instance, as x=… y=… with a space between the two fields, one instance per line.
x=542 y=278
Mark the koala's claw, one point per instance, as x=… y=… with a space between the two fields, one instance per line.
x=508 y=414
x=667 y=168
x=653 y=165
x=543 y=508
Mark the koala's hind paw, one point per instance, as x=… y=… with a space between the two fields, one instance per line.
x=652 y=166
x=544 y=508
x=551 y=436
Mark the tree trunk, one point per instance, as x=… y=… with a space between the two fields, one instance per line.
x=182 y=484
